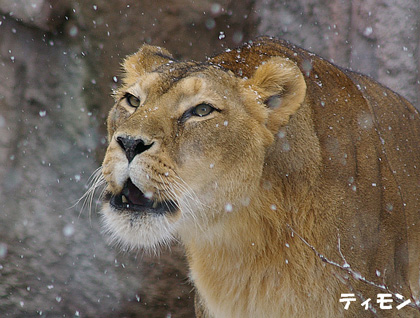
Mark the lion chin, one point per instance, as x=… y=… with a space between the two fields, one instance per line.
x=124 y=229
x=288 y=180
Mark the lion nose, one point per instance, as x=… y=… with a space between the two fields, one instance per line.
x=132 y=147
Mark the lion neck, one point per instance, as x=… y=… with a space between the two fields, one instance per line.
x=248 y=256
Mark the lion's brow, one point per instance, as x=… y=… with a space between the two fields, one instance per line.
x=174 y=72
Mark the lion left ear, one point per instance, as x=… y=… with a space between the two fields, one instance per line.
x=147 y=59
x=280 y=85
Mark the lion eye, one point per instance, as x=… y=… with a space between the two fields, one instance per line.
x=132 y=100
x=202 y=110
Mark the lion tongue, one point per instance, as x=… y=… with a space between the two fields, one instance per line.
x=134 y=195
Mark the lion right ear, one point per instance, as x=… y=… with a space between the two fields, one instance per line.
x=147 y=59
x=280 y=85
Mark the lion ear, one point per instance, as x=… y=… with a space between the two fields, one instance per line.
x=280 y=85
x=147 y=59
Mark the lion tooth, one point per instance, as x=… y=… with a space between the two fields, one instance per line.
x=155 y=204
x=124 y=199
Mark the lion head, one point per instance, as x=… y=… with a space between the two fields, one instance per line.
x=187 y=138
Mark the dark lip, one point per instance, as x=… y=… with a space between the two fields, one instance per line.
x=143 y=205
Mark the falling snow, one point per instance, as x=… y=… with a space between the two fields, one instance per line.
x=228 y=207
x=76 y=43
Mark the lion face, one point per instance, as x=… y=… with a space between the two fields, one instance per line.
x=187 y=143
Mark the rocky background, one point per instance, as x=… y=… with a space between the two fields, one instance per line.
x=59 y=61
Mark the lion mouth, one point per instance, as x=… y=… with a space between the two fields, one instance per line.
x=133 y=199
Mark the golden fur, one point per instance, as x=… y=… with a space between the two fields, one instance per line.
x=300 y=185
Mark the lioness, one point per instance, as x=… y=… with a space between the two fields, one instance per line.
x=290 y=182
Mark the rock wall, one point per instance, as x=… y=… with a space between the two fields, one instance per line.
x=59 y=61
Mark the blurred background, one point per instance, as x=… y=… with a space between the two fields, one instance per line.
x=60 y=60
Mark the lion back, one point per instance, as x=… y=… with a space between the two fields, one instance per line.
x=369 y=139
x=394 y=166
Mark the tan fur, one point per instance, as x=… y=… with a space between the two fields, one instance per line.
x=298 y=149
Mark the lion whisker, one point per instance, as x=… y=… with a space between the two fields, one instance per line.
x=95 y=181
x=189 y=191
